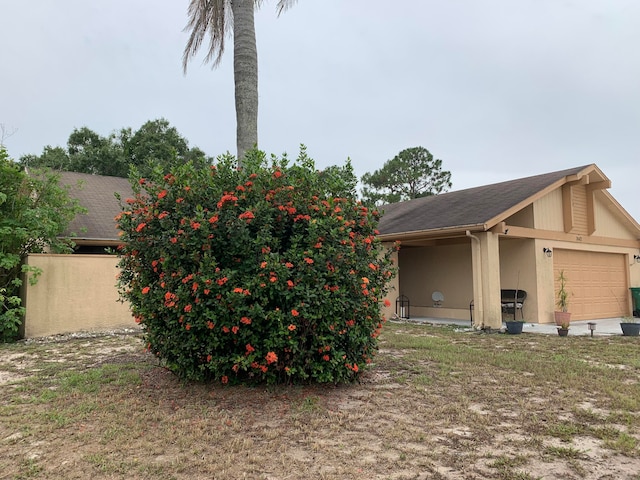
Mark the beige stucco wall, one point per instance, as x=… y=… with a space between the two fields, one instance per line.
x=445 y=269
x=74 y=293
x=518 y=270
x=394 y=288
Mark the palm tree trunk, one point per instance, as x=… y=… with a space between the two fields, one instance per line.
x=245 y=72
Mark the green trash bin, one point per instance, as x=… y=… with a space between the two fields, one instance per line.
x=635 y=296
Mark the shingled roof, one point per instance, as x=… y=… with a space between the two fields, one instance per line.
x=97 y=194
x=470 y=208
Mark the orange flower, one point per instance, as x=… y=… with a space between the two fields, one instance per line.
x=373 y=266
x=145 y=290
x=225 y=329
x=187 y=308
x=249 y=348
x=213 y=219
x=277 y=174
x=140 y=226
x=387 y=303
x=288 y=265
x=308 y=260
x=273 y=279
x=325 y=358
x=195 y=225
x=295 y=312
x=222 y=281
x=271 y=357
x=263 y=265
x=210 y=325
x=245 y=320
x=162 y=194
x=290 y=283
x=248 y=215
x=235 y=329
x=237 y=290
x=291 y=327
x=365 y=280
x=224 y=379
x=209 y=357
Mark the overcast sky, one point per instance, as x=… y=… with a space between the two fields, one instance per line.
x=497 y=89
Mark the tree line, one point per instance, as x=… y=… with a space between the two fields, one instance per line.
x=155 y=142
x=413 y=173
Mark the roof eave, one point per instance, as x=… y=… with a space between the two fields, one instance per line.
x=455 y=231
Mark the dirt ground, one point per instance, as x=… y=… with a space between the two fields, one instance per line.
x=100 y=407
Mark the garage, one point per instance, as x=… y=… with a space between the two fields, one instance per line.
x=597 y=283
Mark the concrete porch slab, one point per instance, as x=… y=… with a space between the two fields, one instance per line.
x=604 y=326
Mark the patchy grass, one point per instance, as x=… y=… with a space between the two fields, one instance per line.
x=437 y=404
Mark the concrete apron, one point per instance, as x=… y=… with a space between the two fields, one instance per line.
x=604 y=326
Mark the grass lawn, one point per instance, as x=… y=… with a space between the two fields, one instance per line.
x=437 y=404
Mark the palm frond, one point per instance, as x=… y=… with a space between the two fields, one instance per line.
x=284 y=5
x=210 y=18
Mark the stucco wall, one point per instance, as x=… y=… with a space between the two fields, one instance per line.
x=446 y=269
x=518 y=270
x=394 y=287
x=74 y=293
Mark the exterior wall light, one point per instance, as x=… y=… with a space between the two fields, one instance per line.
x=548 y=252
x=636 y=258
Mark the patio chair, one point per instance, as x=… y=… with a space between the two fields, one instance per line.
x=510 y=304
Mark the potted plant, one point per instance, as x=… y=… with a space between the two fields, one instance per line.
x=514 y=326
x=630 y=327
x=563 y=330
x=562 y=317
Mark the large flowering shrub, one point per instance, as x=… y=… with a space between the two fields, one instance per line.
x=270 y=272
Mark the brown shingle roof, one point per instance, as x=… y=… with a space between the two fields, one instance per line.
x=97 y=194
x=465 y=208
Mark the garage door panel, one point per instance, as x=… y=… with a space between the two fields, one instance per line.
x=597 y=283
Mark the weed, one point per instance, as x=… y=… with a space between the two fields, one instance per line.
x=566 y=452
x=623 y=443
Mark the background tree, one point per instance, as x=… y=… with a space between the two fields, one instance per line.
x=155 y=142
x=217 y=19
x=413 y=173
x=34 y=211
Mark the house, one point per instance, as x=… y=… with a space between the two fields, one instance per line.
x=96 y=230
x=468 y=245
x=78 y=292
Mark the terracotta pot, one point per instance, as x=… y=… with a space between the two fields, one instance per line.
x=562 y=317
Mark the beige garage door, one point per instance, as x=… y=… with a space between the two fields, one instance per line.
x=597 y=283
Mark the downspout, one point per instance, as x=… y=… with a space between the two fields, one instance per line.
x=478 y=271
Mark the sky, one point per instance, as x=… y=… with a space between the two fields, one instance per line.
x=496 y=89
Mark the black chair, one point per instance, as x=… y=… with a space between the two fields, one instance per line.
x=512 y=301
